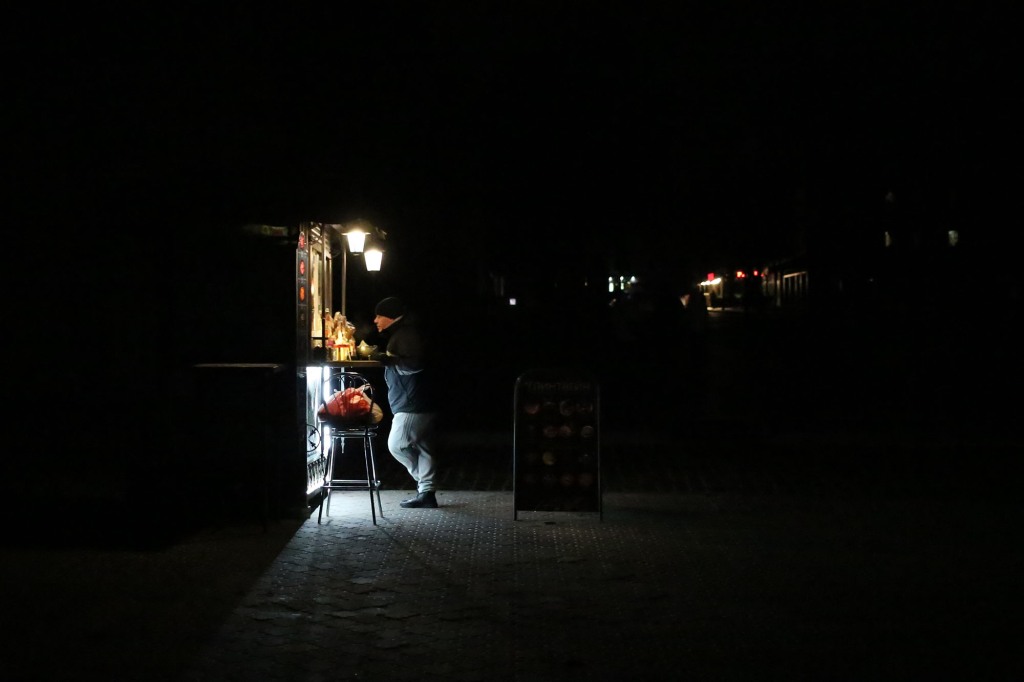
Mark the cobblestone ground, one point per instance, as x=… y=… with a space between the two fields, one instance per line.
x=793 y=523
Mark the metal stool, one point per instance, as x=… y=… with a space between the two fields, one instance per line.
x=340 y=431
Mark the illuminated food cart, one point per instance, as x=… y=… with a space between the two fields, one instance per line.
x=325 y=337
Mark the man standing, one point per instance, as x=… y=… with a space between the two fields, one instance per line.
x=411 y=396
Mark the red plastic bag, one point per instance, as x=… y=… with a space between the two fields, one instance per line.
x=349 y=405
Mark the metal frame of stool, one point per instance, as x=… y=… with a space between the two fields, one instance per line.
x=337 y=437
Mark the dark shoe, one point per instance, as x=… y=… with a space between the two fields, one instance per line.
x=425 y=500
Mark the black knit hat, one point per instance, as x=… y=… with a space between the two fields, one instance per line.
x=392 y=307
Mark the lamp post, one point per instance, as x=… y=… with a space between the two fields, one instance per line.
x=355 y=241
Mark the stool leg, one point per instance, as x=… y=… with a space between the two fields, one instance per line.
x=328 y=479
x=330 y=476
x=324 y=491
x=335 y=444
x=367 y=454
x=376 y=481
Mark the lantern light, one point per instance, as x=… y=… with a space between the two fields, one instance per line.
x=373 y=258
x=356 y=239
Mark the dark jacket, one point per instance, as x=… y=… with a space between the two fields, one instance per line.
x=406 y=372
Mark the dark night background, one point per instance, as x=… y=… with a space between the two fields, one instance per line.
x=867 y=446
x=521 y=138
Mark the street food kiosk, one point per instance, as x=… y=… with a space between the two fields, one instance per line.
x=326 y=339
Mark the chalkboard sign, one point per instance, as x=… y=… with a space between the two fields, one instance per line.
x=557 y=442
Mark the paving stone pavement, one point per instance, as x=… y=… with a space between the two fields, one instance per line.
x=769 y=542
x=658 y=586
x=808 y=556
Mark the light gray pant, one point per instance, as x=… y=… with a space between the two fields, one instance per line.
x=411 y=442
